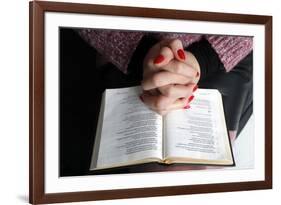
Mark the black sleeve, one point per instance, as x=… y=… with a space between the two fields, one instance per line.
x=236 y=88
x=207 y=58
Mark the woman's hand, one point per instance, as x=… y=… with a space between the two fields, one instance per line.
x=170 y=77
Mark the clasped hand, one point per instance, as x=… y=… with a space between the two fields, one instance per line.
x=170 y=76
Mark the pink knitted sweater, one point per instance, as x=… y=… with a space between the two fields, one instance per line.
x=119 y=46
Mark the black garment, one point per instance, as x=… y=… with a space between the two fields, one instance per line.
x=235 y=86
x=207 y=58
x=82 y=84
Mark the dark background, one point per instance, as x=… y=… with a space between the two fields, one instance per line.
x=82 y=83
x=83 y=80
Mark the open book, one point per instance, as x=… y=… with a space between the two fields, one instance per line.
x=129 y=133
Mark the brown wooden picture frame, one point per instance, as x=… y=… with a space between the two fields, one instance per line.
x=37 y=10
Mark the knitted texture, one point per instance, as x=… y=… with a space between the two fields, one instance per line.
x=119 y=46
x=230 y=49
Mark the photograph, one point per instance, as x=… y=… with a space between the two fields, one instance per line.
x=128 y=102
x=138 y=101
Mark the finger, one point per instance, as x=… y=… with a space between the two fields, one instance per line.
x=163 y=78
x=158 y=102
x=162 y=112
x=154 y=92
x=177 y=105
x=177 y=49
x=181 y=68
x=177 y=91
x=164 y=56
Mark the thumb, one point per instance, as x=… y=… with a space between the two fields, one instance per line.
x=164 y=56
x=177 y=48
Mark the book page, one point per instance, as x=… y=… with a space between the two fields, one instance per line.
x=198 y=133
x=130 y=132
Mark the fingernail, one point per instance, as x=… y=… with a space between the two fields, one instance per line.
x=190 y=98
x=186 y=107
x=181 y=54
x=195 y=88
x=158 y=59
x=141 y=98
x=197 y=74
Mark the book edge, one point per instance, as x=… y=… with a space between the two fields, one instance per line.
x=96 y=147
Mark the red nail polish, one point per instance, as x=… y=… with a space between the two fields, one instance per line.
x=195 y=88
x=158 y=59
x=190 y=98
x=186 y=107
x=141 y=98
x=181 y=54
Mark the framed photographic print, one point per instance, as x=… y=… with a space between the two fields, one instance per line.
x=138 y=102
